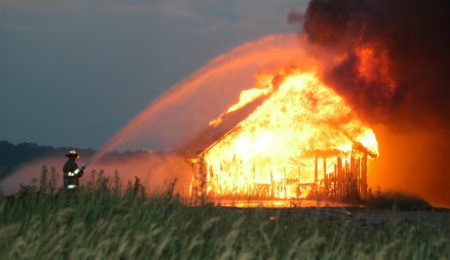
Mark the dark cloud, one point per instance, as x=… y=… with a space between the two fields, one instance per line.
x=409 y=43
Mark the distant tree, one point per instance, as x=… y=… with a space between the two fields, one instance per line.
x=12 y=156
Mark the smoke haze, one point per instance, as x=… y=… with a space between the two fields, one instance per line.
x=155 y=171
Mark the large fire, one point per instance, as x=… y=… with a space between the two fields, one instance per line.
x=275 y=152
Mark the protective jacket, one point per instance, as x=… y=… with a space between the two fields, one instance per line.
x=72 y=174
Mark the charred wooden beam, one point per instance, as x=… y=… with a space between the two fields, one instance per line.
x=340 y=176
x=213 y=134
x=321 y=153
x=361 y=148
x=316 y=171
x=325 y=176
x=364 y=176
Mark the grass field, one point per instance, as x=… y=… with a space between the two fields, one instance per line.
x=100 y=222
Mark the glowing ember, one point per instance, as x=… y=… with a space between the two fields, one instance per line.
x=274 y=152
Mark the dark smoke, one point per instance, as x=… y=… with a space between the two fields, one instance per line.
x=409 y=91
x=415 y=37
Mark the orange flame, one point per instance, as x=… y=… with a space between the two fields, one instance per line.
x=269 y=153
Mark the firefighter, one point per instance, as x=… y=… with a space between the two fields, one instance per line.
x=72 y=173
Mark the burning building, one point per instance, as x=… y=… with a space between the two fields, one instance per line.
x=305 y=130
x=289 y=137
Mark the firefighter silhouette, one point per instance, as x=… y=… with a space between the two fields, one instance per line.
x=72 y=173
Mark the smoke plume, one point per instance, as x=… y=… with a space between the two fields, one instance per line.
x=406 y=44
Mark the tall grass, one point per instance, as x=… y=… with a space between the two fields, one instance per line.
x=99 y=221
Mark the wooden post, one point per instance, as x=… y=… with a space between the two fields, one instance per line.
x=285 y=182
x=335 y=183
x=272 y=193
x=340 y=176
x=364 y=176
x=325 y=176
x=203 y=180
x=348 y=176
x=358 y=174
x=352 y=166
x=315 y=169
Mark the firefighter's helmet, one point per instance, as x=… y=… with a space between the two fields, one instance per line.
x=72 y=153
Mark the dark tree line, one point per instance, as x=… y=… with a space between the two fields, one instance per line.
x=14 y=155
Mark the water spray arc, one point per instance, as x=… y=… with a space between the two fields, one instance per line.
x=188 y=107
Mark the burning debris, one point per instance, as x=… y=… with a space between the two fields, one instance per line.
x=300 y=139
